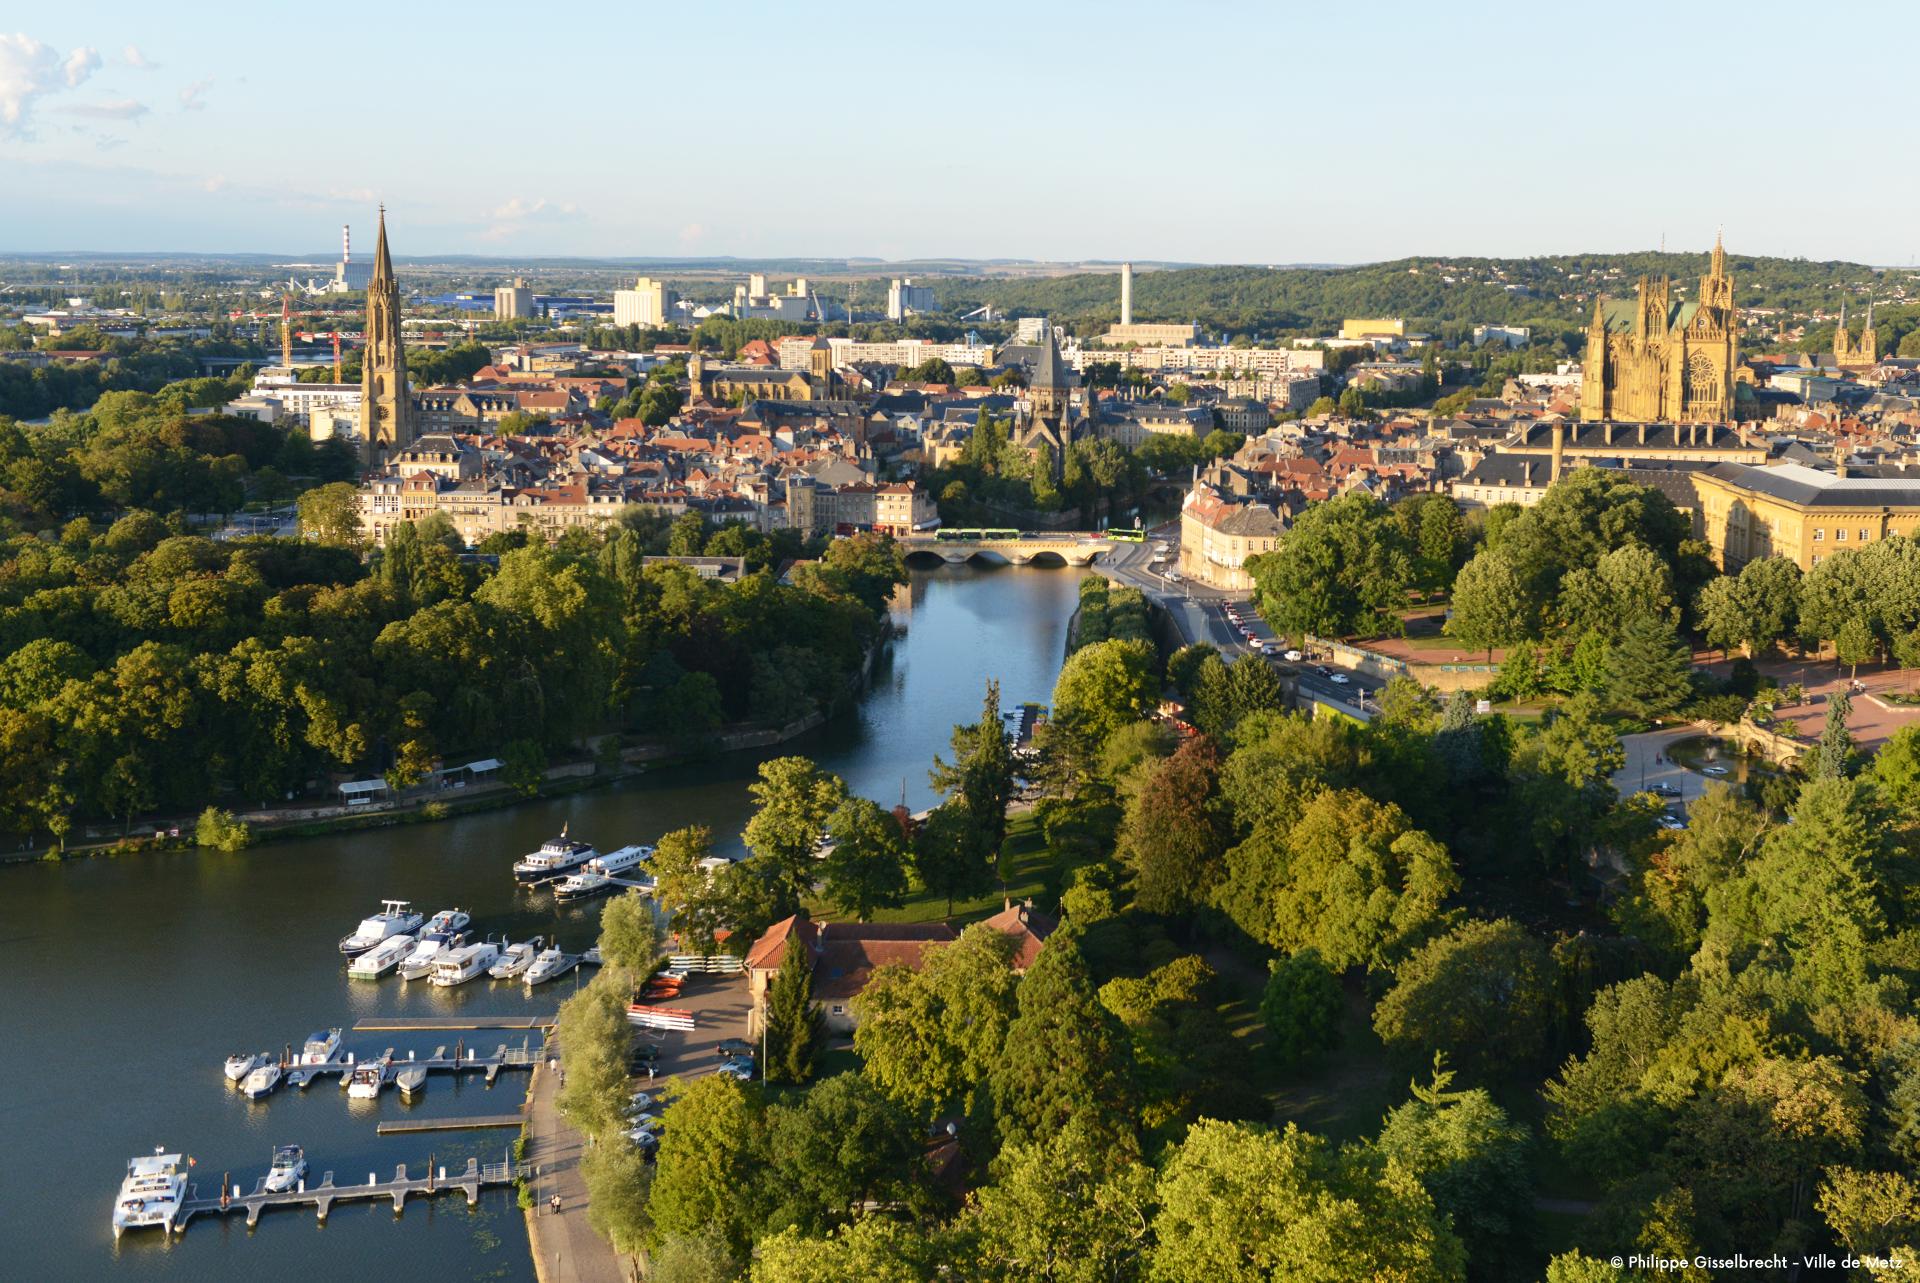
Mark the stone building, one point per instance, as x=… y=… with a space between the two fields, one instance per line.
x=1849 y=355
x=1801 y=513
x=1218 y=534
x=1659 y=359
x=386 y=405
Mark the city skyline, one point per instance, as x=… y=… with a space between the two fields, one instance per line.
x=1240 y=137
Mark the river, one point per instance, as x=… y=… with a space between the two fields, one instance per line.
x=129 y=981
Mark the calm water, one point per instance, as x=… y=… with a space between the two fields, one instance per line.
x=131 y=980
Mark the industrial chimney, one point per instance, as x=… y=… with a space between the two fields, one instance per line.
x=346 y=243
x=1126 y=293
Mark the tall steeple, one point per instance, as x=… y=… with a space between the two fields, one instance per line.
x=1719 y=265
x=386 y=402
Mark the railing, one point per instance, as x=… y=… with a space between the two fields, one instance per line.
x=724 y=963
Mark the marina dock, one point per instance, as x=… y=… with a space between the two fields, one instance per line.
x=401 y=1024
x=402 y=1126
x=464 y=1060
x=323 y=1196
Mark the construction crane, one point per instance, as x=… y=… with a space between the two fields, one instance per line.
x=984 y=313
x=286 y=331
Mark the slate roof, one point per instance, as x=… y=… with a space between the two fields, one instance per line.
x=1794 y=483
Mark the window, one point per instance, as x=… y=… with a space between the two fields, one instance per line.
x=1816 y=558
x=838 y=1009
x=1839 y=532
x=1819 y=534
x=1865 y=535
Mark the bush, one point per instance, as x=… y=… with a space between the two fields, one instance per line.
x=221 y=831
x=1301 y=1007
x=1724 y=709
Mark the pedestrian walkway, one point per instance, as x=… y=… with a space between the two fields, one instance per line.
x=565 y=1248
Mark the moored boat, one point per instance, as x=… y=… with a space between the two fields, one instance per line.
x=549 y=963
x=289 y=1165
x=242 y=1063
x=411 y=1080
x=151 y=1194
x=368 y=1079
x=321 y=1046
x=428 y=952
x=396 y=917
x=382 y=958
x=464 y=963
x=556 y=858
x=515 y=958
x=261 y=1080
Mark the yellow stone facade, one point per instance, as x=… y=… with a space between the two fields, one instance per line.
x=1658 y=360
x=1799 y=513
x=386 y=402
x=1851 y=355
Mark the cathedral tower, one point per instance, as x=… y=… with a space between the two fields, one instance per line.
x=1657 y=359
x=386 y=402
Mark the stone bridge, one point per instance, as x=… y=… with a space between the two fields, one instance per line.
x=1067 y=547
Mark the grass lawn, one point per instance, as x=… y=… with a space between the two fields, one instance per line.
x=1024 y=861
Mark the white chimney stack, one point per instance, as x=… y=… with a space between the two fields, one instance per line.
x=346 y=244
x=1126 y=293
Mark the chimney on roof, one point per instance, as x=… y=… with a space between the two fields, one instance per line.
x=1643 y=434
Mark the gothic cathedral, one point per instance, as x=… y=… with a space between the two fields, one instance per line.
x=1849 y=355
x=386 y=403
x=1655 y=360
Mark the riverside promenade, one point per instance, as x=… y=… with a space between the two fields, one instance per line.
x=565 y=1248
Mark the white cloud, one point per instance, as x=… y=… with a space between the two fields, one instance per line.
x=191 y=97
x=134 y=58
x=692 y=233
x=510 y=218
x=26 y=72
x=107 y=109
x=80 y=64
x=214 y=184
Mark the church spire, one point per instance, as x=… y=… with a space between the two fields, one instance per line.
x=382 y=261
x=1719 y=266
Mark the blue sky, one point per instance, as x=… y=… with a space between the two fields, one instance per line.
x=1202 y=131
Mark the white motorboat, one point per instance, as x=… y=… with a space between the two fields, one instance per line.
x=556 y=858
x=444 y=923
x=411 y=1080
x=382 y=958
x=465 y=963
x=242 y=1063
x=152 y=1193
x=368 y=1079
x=263 y=1079
x=515 y=958
x=289 y=1165
x=598 y=875
x=549 y=963
x=428 y=952
x=322 y=1046
x=395 y=918
x=592 y=956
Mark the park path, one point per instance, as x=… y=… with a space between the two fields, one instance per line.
x=565 y=1248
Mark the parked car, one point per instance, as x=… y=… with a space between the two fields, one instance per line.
x=1664 y=790
x=739 y=1069
x=729 y=1048
x=646 y=1141
x=1293 y=657
x=1671 y=823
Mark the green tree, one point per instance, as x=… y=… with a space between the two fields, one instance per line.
x=1242 y=1204
x=1489 y=604
x=705 y=1257
x=630 y=934
x=959 y=847
x=794 y=798
x=866 y=870
x=1100 y=689
x=593 y=1024
x=331 y=514
x=793 y=1022
x=1482 y=995
x=1471 y=1157
x=619 y=1180
x=1351 y=878
x=1343 y=568
x=1065 y=1058
x=713 y=1150
x=220 y=831
x=929 y=1036
x=1171 y=838
x=1648 y=669
x=1062 y=1211
x=1301 y=1006
x=840 y=1145
x=1833 y=755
